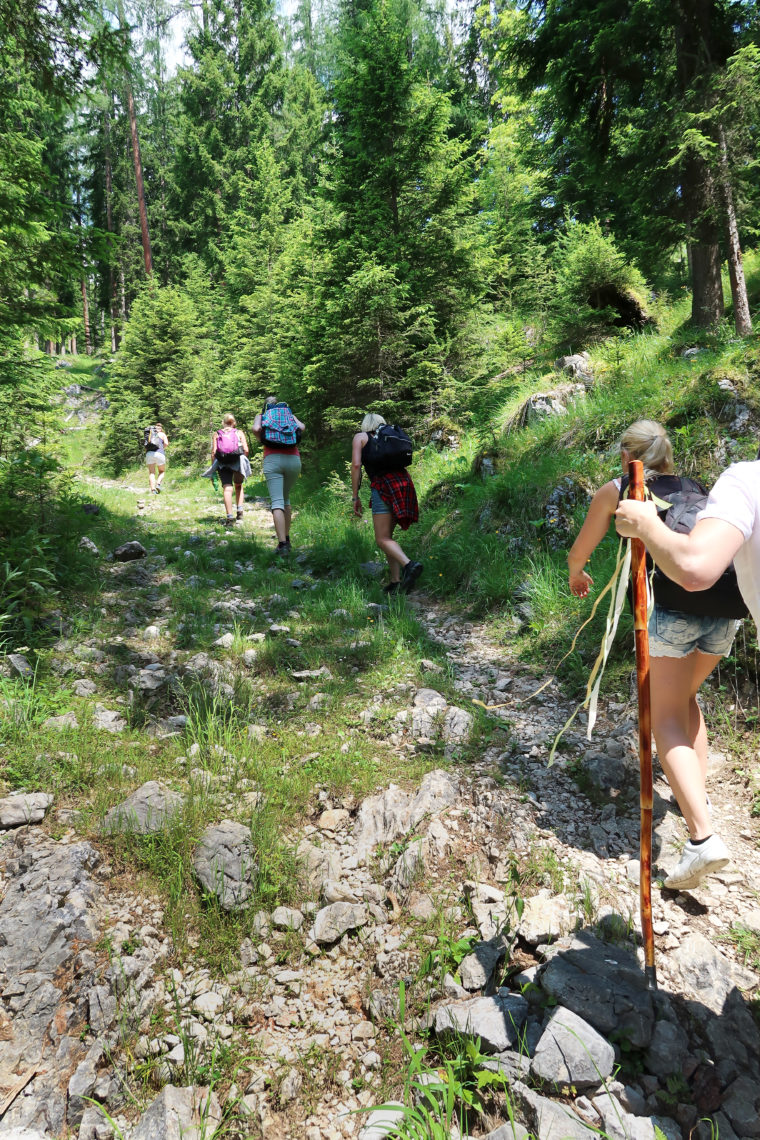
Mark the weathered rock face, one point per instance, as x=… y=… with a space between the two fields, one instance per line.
x=180 y=1114
x=146 y=810
x=27 y=808
x=226 y=863
x=47 y=916
x=602 y=984
x=496 y=1020
x=571 y=1052
x=394 y=812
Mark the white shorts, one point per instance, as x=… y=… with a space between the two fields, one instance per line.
x=156 y=457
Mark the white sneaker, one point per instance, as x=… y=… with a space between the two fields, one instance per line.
x=696 y=862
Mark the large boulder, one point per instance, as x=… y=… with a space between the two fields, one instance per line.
x=129 y=552
x=27 y=808
x=603 y=984
x=496 y=1021
x=226 y=863
x=571 y=1052
x=146 y=810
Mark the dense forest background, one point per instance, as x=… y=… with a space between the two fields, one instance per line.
x=390 y=205
x=376 y=204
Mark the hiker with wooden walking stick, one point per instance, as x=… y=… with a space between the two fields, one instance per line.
x=688 y=634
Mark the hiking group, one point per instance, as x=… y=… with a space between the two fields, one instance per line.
x=382 y=450
x=697 y=604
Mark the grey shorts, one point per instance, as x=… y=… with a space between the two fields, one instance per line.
x=673 y=634
x=156 y=457
x=281 y=472
x=378 y=504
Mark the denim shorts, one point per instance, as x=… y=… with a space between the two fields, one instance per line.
x=378 y=504
x=673 y=634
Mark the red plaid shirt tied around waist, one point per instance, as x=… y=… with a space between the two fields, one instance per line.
x=396 y=489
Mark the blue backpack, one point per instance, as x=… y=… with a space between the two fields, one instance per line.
x=279 y=427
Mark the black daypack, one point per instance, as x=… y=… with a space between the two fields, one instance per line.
x=679 y=501
x=151 y=439
x=388 y=449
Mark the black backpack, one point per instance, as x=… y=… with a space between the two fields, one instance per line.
x=388 y=449
x=678 y=503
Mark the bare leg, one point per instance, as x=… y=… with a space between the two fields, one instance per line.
x=679 y=729
x=279 y=517
x=227 y=495
x=384 y=526
x=152 y=476
x=288 y=514
x=161 y=473
x=239 y=495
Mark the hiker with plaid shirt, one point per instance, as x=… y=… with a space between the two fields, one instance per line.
x=393 y=501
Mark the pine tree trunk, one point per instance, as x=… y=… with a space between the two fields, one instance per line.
x=139 y=181
x=742 y=318
x=113 y=303
x=86 y=316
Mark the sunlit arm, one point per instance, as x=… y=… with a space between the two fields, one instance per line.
x=595 y=527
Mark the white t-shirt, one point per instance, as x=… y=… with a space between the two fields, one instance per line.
x=735 y=499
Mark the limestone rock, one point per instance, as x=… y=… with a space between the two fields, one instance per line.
x=19 y=665
x=63 y=721
x=225 y=862
x=392 y=813
x=146 y=810
x=382 y=1122
x=333 y=921
x=708 y=974
x=27 y=808
x=321 y=866
x=603 y=984
x=109 y=720
x=129 y=551
x=546 y=1118
x=457 y=725
x=571 y=1052
x=180 y=1114
x=88 y=546
x=476 y=969
x=544 y=919
x=496 y=1020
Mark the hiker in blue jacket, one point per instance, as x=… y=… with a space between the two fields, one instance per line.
x=279 y=431
x=686 y=642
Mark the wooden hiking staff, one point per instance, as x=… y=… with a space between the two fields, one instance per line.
x=641 y=635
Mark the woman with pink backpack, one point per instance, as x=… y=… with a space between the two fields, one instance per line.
x=229 y=448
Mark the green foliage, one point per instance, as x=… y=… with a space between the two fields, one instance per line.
x=597 y=289
x=164 y=373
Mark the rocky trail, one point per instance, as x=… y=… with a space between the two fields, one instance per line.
x=499 y=899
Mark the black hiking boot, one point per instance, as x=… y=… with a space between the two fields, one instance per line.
x=409 y=576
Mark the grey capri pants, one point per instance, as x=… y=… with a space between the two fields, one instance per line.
x=281 y=472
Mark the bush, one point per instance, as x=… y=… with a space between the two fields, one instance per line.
x=597 y=290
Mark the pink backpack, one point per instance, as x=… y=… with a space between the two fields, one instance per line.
x=227 y=441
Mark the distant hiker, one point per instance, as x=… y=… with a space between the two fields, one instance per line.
x=385 y=451
x=156 y=442
x=279 y=431
x=229 y=451
x=688 y=635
